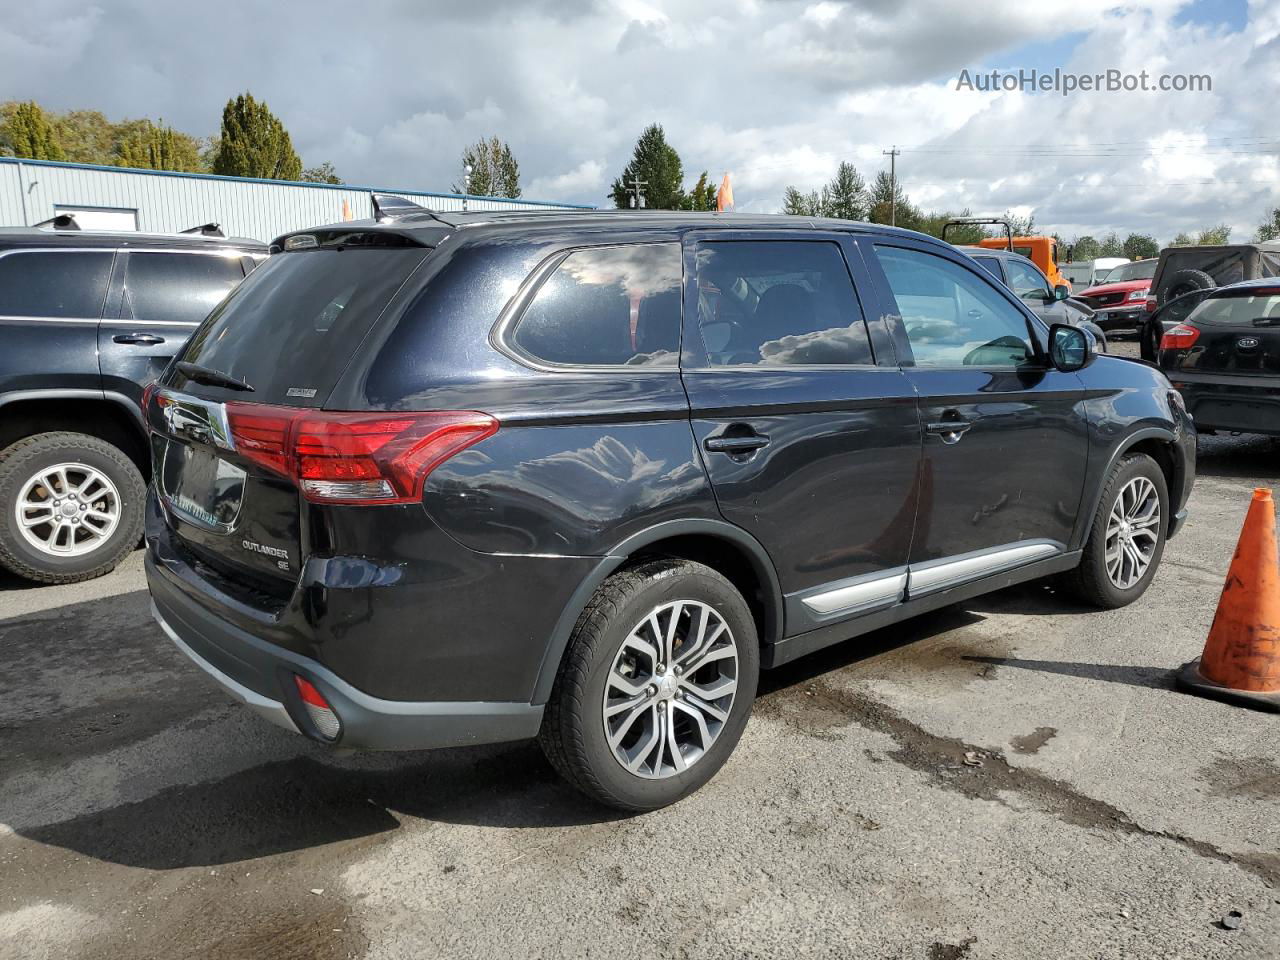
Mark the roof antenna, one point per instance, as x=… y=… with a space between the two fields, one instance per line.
x=63 y=221
x=206 y=230
x=387 y=206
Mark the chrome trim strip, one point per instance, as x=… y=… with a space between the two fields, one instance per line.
x=885 y=586
x=8 y=316
x=272 y=710
x=110 y=321
x=950 y=571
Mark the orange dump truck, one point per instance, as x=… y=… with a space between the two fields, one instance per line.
x=1042 y=251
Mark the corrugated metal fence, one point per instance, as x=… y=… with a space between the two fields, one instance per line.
x=34 y=190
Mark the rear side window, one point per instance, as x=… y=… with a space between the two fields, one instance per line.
x=292 y=326
x=991 y=265
x=178 y=287
x=607 y=306
x=951 y=317
x=54 y=283
x=778 y=303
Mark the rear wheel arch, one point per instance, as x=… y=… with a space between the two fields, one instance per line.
x=725 y=548
x=111 y=418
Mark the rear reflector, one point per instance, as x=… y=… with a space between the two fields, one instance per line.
x=322 y=715
x=1179 y=337
x=354 y=457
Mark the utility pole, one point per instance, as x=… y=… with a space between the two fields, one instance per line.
x=637 y=198
x=893 y=183
x=466 y=184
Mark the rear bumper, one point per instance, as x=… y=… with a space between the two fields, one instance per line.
x=1231 y=403
x=260 y=674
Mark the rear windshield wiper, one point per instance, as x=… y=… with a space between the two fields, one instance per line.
x=1266 y=322
x=210 y=377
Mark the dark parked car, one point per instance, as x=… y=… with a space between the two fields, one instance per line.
x=1223 y=356
x=86 y=320
x=456 y=479
x=1050 y=304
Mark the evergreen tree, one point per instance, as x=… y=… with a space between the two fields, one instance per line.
x=888 y=202
x=799 y=204
x=702 y=196
x=149 y=146
x=27 y=133
x=846 y=195
x=254 y=143
x=494 y=171
x=932 y=223
x=655 y=162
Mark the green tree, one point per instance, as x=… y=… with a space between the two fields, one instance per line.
x=933 y=222
x=254 y=143
x=846 y=195
x=1140 y=246
x=1086 y=248
x=1183 y=239
x=655 y=162
x=26 y=132
x=887 y=201
x=1269 y=229
x=86 y=136
x=494 y=171
x=149 y=146
x=1111 y=246
x=324 y=173
x=801 y=204
x=1214 y=235
x=702 y=196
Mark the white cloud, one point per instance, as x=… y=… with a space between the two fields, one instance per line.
x=776 y=91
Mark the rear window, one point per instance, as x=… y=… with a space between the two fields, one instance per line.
x=1241 y=310
x=54 y=283
x=291 y=327
x=607 y=306
x=178 y=287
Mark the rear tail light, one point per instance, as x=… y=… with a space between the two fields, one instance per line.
x=323 y=717
x=354 y=457
x=1150 y=305
x=1179 y=337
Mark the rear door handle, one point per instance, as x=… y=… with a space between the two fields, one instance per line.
x=142 y=339
x=949 y=430
x=740 y=444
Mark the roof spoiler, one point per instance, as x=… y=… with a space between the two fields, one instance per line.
x=205 y=230
x=63 y=221
x=387 y=206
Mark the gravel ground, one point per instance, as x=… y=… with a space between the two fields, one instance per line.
x=144 y=815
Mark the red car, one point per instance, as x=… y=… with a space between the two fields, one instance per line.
x=1120 y=300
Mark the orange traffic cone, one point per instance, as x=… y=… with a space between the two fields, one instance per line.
x=1241 y=659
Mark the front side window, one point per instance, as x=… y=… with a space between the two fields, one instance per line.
x=178 y=287
x=778 y=303
x=951 y=316
x=54 y=283
x=1027 y=282
x=607 y=306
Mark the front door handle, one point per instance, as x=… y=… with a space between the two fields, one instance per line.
x=949 y=430
x=735 y=444
x=142 y=339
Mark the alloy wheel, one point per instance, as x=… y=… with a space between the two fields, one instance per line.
x=68 y=509
x=1133 y=532
x=670 y=689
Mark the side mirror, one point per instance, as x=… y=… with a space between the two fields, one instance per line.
x=1061 y=292
x=1071 y=348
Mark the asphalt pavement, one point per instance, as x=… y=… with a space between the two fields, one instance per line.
x=1014 y=777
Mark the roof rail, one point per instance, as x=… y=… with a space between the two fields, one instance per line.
x=63 y=221
x=205 y=230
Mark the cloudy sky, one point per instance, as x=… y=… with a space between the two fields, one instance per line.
x=777 y=92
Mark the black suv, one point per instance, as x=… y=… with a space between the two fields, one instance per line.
x=450 y=480
x=86 y=321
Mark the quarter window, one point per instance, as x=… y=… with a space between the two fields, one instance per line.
x=607 y=306
x=179 y=287
x=778 y=303
x=951 y=316
x=54 y=283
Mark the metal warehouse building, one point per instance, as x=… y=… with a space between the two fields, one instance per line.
x=160 y=201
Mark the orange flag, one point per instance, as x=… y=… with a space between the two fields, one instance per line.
x=724 y=196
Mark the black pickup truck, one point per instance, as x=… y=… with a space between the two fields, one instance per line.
x=86 y=321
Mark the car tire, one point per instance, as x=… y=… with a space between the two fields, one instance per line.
x=1100 y=581
x=604 y=754
x=95 y=520
x=1181 y=282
